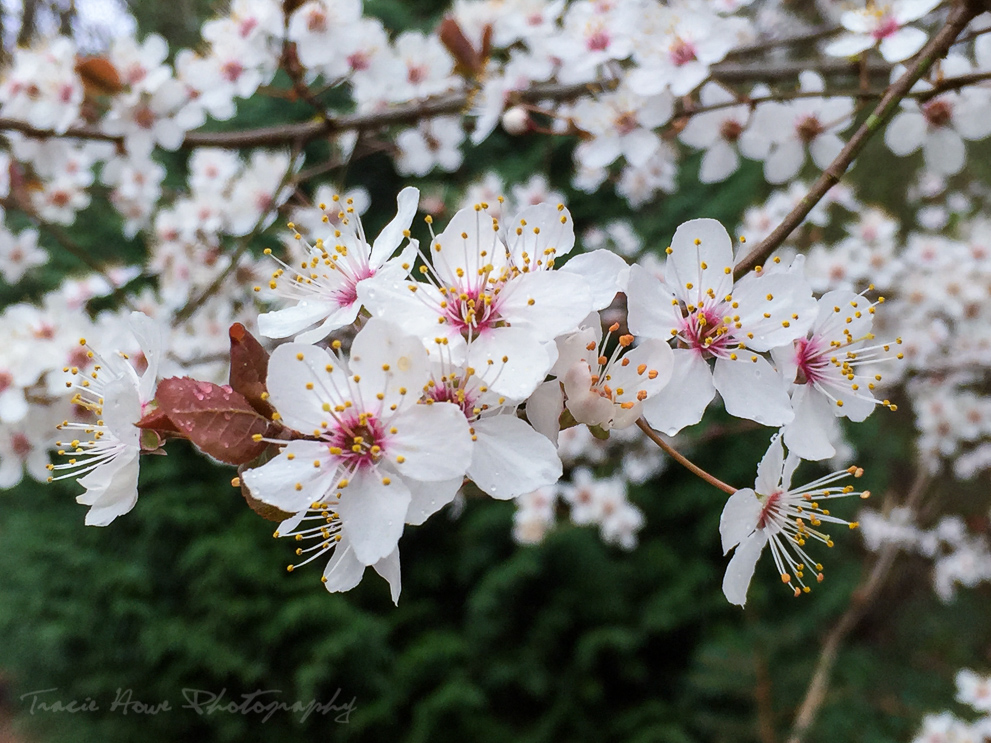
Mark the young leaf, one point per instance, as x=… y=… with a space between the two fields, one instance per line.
x=218 y=420
x=249 y=369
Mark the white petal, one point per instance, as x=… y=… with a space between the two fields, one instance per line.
x=430 y=497
x=511 y=459
x=291 y=320
x=388 y=568
x=696 y=243
x=752 y=390
x=290 y=368
x=808 y=434
x=544 y=408
x=343 y=571
x=739 y=518
x=740 y=570
x=559 y=302
x=905 y=132
x=848 y=45
x=527 y=361
x=392 y=234
x=784 y=162
x=718 y=163
x=606 y=274
x=683 y=401
x=373 y=514
x=770 y=467
x=547 y=228
x=824 y=149
x=944 y=151
x=651 y=308
x=902 y=44
x=336 y=319
x=275 y=481
x=434 y=441
x=117 y=495
x=388 y=360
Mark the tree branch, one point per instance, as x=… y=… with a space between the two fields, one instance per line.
x=682 y=459
x=960 y=16
x=860 y=600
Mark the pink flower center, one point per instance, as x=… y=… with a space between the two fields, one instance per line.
x=598 y=41
x=770 y=510
x=20 y=444
x=347 y=294
x=887 y=27
x=359 y=61
x=247 y=26
x=730 y=130
x=316 y=22
x=231 y=71
x=361 y=439
x=682 y=52
x=471 y=311
x=6 y=380
x=812 y=364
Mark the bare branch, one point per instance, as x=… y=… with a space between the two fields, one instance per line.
x=860 y=600
x=959 y=17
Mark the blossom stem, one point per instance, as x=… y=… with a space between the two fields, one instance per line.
x=961 y=14
x=682 y=459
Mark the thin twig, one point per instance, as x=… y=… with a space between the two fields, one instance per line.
x=244 y=243
x=942 y=86
x=806 y=37
x=860 y=600
x=960 y=16
x=681 y=459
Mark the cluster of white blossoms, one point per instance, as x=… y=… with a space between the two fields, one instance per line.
x=473 y=359
x=974 y=691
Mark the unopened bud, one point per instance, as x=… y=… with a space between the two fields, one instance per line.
x=516 y=120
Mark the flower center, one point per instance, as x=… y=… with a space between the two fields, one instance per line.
x=808 y=128
x=682 y=52
x=885 y=28
x=360 y=438
x=730 y=130
x=938 y=113
x=769 y=512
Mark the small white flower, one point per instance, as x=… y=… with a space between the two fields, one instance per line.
x=775 y=513
x=327 y=289
x=105 y=456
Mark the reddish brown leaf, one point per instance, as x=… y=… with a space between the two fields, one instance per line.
x=157 y=420
x=99 y=76
x=468 y=61
x=249 y=369
x=218 y=420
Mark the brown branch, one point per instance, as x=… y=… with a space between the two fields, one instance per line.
x=942 y=86
x=806 y=37
x=860 y=600
x=414 y=111
x=244 y=243
x=960 y=16
x=682 y=459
